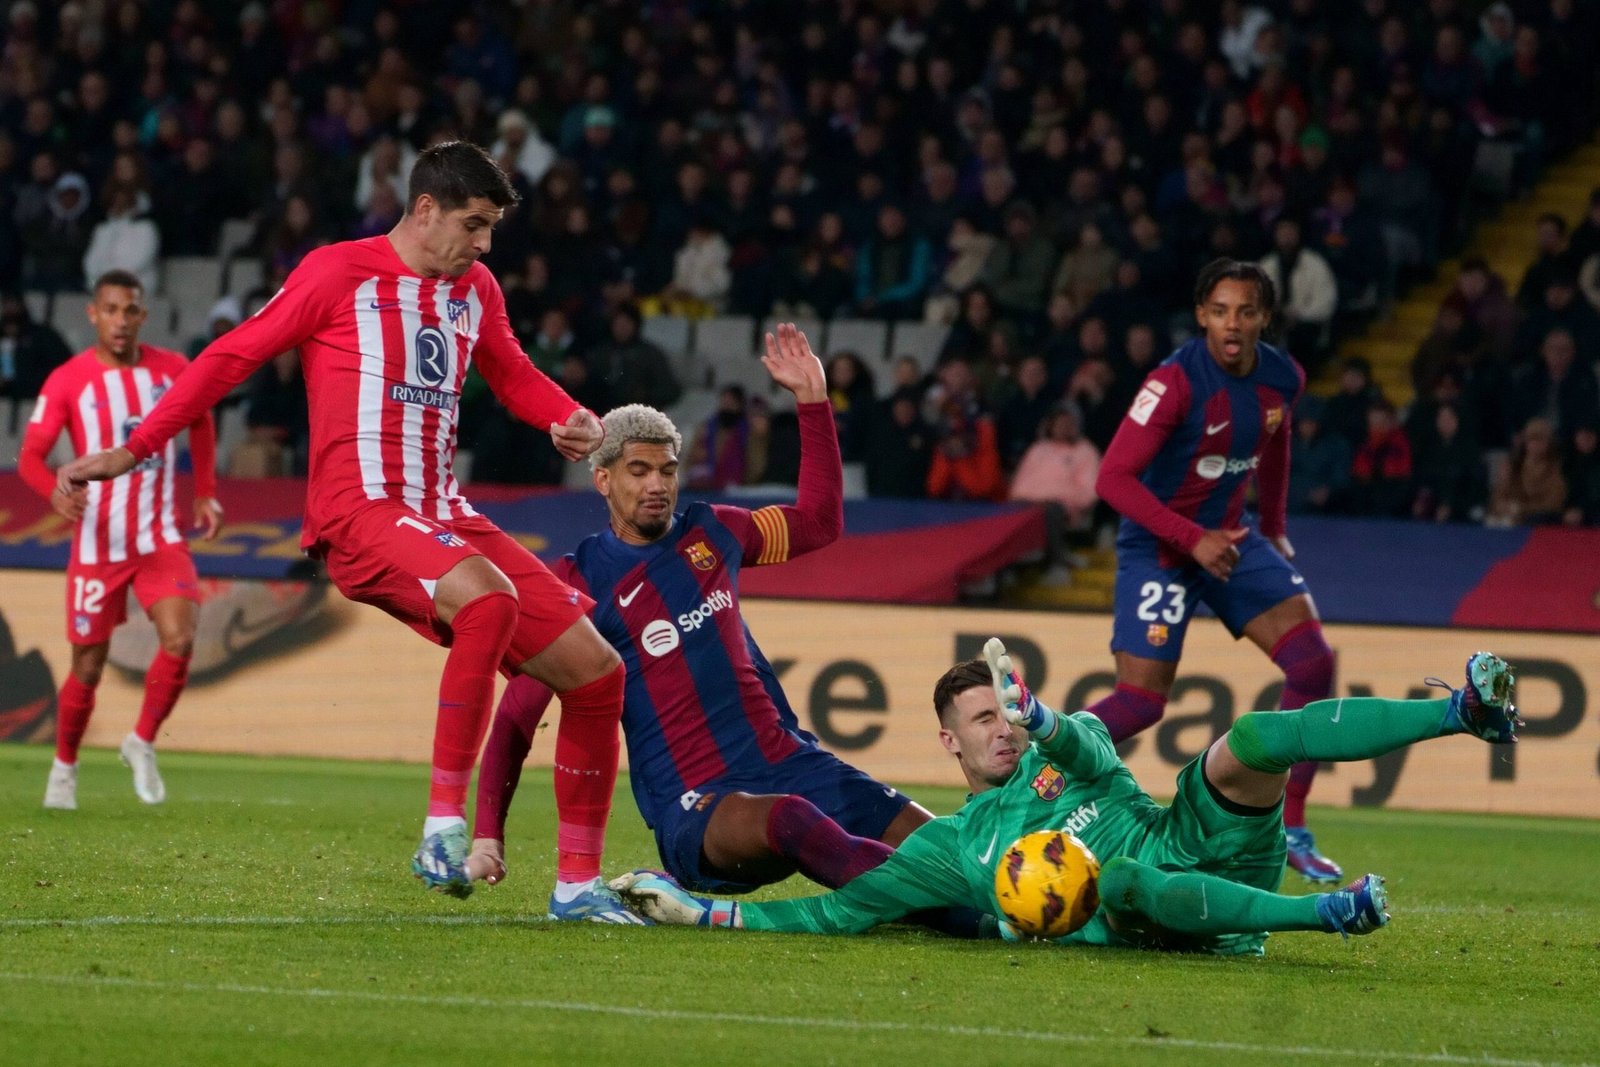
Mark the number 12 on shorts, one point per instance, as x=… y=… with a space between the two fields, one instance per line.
x=87 y=594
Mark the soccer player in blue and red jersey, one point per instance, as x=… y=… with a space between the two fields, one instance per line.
x=1212 y=414
x=737 y=793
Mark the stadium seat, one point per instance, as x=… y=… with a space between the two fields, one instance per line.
x=67 y=315
x=245 y=276
x=674 y=335
x=237 y=237
x=11 y=424
x=919 y=340
x=855 y=481
x=231 y=432
x=719 y=339
x=867 y=338
x=187 y=278
x=38 y=305
x=693 y=408
x=750 y=373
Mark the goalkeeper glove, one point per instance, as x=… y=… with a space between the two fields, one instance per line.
x=1017 y=703
x=656 y=896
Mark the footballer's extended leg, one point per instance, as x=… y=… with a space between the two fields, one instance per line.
x=1144 y=901
x=1249 y=764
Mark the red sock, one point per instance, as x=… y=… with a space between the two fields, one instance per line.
x=1307 y=664
x=163 y=683
x=73 y=708
x=798 y=830
x=521 y=708
x=481 y=632
x=587 y=747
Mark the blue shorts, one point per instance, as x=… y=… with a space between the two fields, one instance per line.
x=855 y=800
x=1154 y=603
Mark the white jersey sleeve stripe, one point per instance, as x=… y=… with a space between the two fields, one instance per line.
x=369 y=402
x=88 y=526
x=408 y=290
x=144 y=521
x=116 y=515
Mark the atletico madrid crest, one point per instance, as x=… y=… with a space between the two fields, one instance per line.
x=1049 y=783
x=1274 y=419
x=1157 y=634
x=701 y=556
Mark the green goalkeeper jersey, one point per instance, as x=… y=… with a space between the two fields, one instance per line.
x=1072 y=780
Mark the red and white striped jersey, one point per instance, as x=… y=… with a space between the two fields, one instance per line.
x=384 y=354
x=100 y=406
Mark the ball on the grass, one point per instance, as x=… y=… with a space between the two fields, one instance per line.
x=1047 y=883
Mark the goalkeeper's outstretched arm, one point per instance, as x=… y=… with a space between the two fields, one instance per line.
x=1079 y=744
x=924 y=873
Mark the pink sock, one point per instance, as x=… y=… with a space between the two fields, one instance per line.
x=163 y=684
x=73 y=708
x=481 y=631
x=798 y=830
x=1307 y=664
x=587 y=747
x=1128 y=710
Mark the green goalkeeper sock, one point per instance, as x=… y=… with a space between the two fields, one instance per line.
x=1338 y=730
x=1199 y=905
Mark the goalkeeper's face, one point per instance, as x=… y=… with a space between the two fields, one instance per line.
x=641 y=490
x=985 y=745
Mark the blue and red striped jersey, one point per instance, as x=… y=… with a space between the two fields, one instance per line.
x=701 y=701
x=1193 y=437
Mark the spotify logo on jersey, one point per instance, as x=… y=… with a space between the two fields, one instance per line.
x=659 y=637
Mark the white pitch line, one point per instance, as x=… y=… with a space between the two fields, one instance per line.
x=788 y=1021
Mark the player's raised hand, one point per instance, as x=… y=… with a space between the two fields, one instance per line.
x=792 y=364
x=1217 y=551
x=207 y=517
x=73 y=478
x=1016 y=702
x=578 y=436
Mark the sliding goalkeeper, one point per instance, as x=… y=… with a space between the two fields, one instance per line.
x=1195 y=875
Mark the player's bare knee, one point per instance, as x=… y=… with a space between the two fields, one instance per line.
x=178 y=645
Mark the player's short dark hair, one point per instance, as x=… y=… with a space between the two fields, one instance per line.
x=957 y=680
x=1220 y=270
x=454 y=172
x=125 y=279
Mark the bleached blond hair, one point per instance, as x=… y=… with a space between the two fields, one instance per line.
x=634 y=422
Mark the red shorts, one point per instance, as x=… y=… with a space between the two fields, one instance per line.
x=97 y=593
x=387 y=555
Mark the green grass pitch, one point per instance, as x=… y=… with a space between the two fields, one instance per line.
x=265 y=915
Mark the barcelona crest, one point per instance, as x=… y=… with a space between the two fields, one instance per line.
x=1157 y=634
x=701 y=556
x=1049 y=783
x=1273 y=419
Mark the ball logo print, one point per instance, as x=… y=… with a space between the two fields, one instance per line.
x=659 y=638
x=433 y=356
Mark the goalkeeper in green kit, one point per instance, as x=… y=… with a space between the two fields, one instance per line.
x=1195 y=875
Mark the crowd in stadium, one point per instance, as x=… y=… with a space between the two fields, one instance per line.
x=1046 y=177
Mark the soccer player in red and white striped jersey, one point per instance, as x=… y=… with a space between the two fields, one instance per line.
x=127 y=531
x=387 y=328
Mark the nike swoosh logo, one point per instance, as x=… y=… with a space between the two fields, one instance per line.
x=1338 y=710
x=990 y=853
x=1205 y=908
x=624 y=601
x=889 y=792
x=375 y=306
x=1218 y=428
x=1297 y=580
